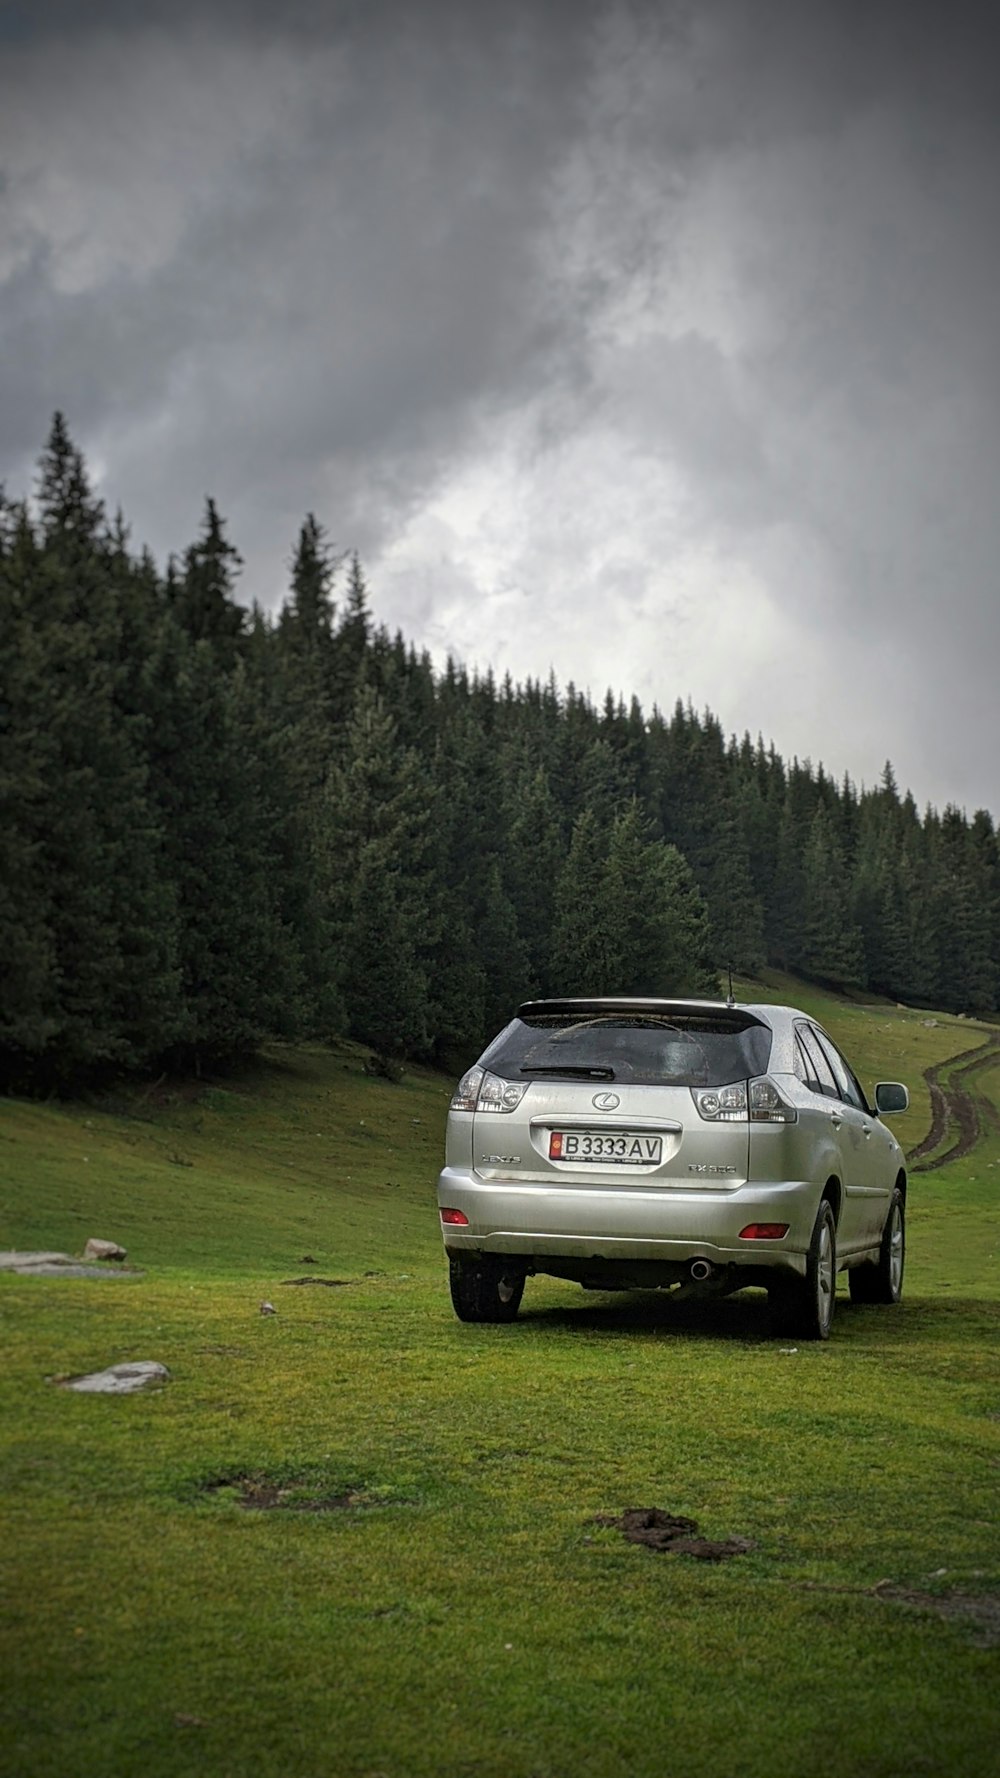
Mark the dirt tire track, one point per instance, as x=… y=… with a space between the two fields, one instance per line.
x=952 y=1107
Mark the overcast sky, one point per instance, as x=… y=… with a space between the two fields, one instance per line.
x=654 y=344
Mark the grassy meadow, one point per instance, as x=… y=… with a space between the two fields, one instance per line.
x=430 y=1593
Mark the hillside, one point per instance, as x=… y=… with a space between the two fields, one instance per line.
x=305 y=1149
x=356 y=1535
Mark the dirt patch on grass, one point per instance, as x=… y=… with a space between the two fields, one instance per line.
x=939 y=1120
x=981 y=1611
x=262 y=1494
x=330 y=1283
x=659 y=1530
x=953 y=1108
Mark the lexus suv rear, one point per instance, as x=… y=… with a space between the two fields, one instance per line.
x=636 y=1143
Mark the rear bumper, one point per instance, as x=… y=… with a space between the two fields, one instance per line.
x=672 y=1227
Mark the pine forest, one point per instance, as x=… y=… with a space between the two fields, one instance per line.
x=221 y=826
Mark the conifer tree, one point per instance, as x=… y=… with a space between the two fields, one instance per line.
x=783 y=931
x=584 y=957
x=699 y=813
x=656 y=915
x=877 y=899
x=206 y=780
x=378 y=860
x=71 y=514
x=604 y=786
x=99 y=945
x=351 y=639
x=203 y=599
x=29 y=976
x=830 y=947
x=311 y=605
x=962 y=918
x=533 y=855
x=502 y=954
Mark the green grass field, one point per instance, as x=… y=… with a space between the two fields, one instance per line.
x=458 y=1611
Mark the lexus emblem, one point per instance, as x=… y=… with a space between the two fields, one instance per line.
x=605 y=1101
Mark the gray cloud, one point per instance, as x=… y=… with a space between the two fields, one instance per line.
x=282 y=272
x=655 y=344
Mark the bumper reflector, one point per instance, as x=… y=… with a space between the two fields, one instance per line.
x=457 y=1217
x=764 y=1231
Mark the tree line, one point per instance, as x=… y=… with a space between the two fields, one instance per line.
x=219 y=826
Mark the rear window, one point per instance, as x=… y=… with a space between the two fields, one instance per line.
x=649 y=1049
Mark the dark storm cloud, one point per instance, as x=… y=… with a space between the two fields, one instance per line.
x=848 y=161
x=681 y=292
x=346 y=277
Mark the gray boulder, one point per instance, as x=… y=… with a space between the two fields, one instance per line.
x=103 y=1250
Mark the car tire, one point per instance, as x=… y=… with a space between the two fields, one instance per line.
x=803 y=1307
x=881 y=1281
x=485 y=1289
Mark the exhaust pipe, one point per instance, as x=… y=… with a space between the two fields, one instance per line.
x=700 y=1270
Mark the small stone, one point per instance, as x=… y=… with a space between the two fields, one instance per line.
x=268 y=1309
x=118 y=1379
x=96 y=1249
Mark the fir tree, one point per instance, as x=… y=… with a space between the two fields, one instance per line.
x=499 y=949
x=533 y=856
x=584 y=957
x=95 y=959
x=378 y=857
x=656 y=915
x=203 y=599
x=29 y=999
x=830 y=947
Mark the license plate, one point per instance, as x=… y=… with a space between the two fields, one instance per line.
x=622 y=1148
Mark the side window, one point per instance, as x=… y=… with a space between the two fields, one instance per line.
x=819 y=1074
x=849 y=1088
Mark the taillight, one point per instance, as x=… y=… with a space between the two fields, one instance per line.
x=757 y=1100
x=767 y=1105
x=457 y=1218
x=500 y=1095
x=477 y=1091
x=722 y=1105
x=764 y=1231
x=464 y=1096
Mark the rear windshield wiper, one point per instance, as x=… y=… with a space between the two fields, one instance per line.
x=579 y=1071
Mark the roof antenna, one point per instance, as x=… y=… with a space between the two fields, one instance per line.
x=731 y=1001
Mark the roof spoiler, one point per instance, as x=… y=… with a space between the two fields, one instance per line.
x=736 y=1016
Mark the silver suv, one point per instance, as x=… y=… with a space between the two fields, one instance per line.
x=634 y=1144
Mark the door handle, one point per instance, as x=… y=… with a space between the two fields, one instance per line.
x=836 y=1119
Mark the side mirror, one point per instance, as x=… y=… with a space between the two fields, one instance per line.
x=890 y=1096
